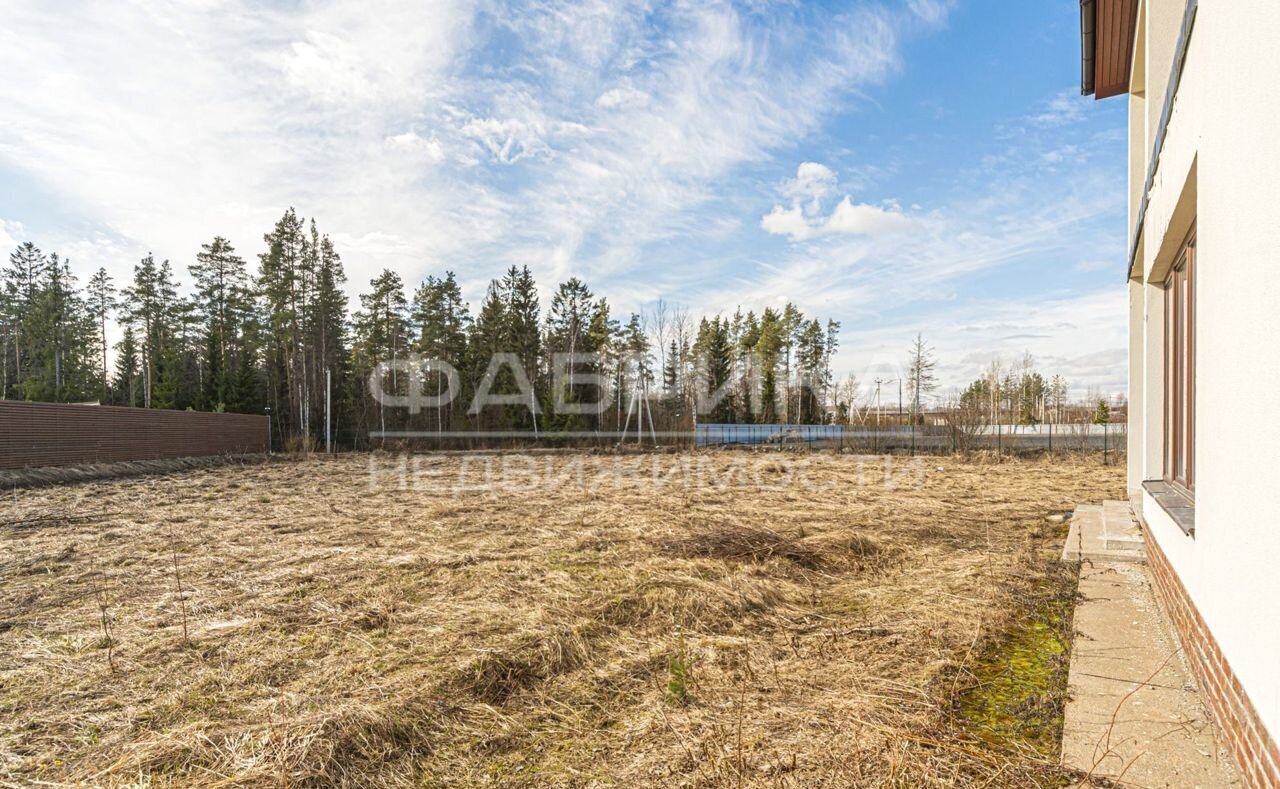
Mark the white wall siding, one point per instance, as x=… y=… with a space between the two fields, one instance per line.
x=1223 y=138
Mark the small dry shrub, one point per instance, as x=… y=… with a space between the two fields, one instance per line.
x=301 y=445
x=744 y=544
x=497 y=676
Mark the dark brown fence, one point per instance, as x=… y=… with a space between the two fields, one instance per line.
x=56 y=434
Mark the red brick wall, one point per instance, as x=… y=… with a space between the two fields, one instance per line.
x=1254 y=750
x=58 y=434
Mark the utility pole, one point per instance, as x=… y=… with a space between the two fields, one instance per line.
x=880 y=381
x=877 y=433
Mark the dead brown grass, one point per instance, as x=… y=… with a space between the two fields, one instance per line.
x=343 y=634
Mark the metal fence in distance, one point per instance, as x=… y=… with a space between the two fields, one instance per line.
x=921 y=439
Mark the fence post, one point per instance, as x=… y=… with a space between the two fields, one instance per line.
x=1106 y=460
x=1051 y=438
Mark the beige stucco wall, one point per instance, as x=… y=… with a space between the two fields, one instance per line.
x=1221 y=166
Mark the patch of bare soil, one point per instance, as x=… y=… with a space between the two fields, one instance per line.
x=708 y=619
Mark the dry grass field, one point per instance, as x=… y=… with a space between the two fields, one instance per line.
x=711 y=619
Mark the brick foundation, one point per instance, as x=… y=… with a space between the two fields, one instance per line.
x=1256 y=755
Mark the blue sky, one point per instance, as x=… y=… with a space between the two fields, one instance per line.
x=918 y=165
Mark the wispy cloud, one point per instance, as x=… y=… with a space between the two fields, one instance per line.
x=562 y=134
x=10 y=234
x=648 y=148
x=1067 y=106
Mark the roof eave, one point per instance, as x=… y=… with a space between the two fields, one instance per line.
x=1088 y=45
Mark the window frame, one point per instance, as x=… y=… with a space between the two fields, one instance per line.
x=1180 y=370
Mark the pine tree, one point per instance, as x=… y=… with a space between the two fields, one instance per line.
x=792 y=322
x=282 y=281
x=828 y=355
x=811 y=356
x=101 y=303
x=1057 y=396
x=329 y=335
x=382 y=333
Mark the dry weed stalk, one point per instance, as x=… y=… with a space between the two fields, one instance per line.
x=177 y=577
x=98 y=579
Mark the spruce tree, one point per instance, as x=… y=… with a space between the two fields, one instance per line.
x=568 y=322
x=127 y=386
x=59 y=339
x=441 y=319
x=21 y=285
x=222 y=294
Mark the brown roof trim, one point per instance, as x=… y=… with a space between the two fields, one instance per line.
x=1114 y=27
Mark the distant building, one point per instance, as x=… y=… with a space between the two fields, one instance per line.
x=1203 y=87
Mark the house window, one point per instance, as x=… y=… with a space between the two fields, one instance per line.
x=1180 y=369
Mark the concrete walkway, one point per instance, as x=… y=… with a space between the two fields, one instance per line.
x=1134 y=714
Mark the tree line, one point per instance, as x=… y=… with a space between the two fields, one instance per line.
x=276 y=337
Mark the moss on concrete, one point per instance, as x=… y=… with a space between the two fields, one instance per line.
x=1018 y=690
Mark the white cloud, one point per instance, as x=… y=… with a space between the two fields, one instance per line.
x=1065 y=153
x=862 y=219
x=933 y=12
x=326 y=67
x=1068 y=106
x=615 y=98
x=507 y=141
x=10 y=236
x=786 y=222
x=804 y=219
x=377 y=244
x=813 y=181
x=410 y=143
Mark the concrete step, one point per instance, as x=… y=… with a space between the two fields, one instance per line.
x=1104 y=532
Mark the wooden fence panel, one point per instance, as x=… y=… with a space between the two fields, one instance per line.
x=58 y=434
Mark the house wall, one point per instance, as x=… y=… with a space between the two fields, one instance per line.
x=1220 y=167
